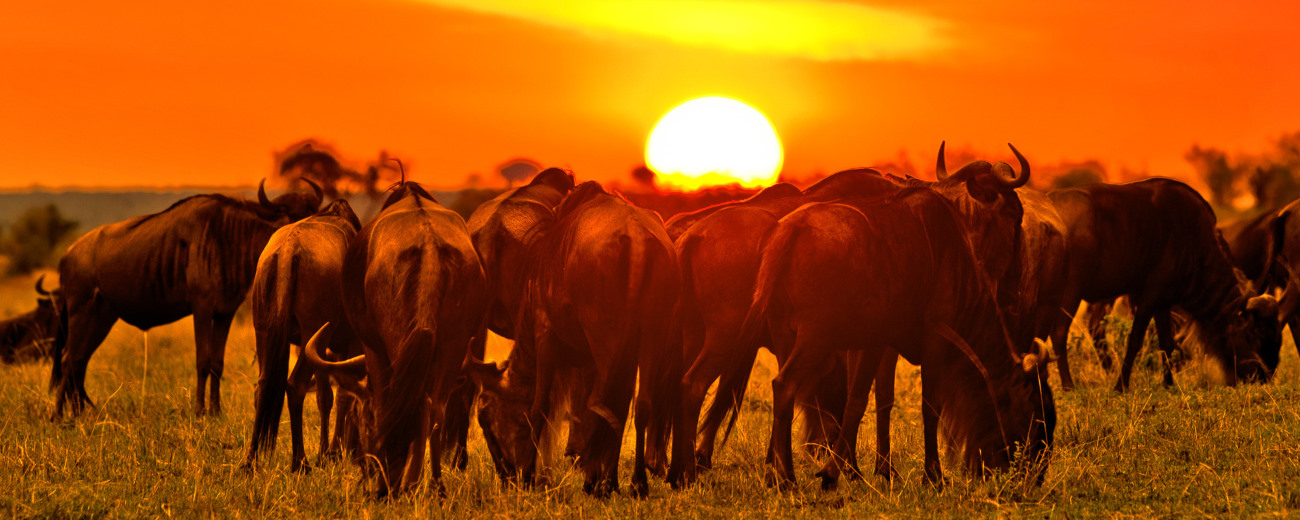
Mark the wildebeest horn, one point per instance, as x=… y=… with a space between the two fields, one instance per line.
x=940 y=168
x=320 y=194
x=1011 y=180
x=40 y=287
x=400 y=167
x=311 y=353
x=261 y=194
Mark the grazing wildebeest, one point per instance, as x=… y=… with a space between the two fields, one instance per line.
x=602 y=288
x=900 y=272
x=1284 y=266
x=719 y=257
x=415 y=295
x=1251 y=246
x=1155 y=241
x=196 y=257
x=27 y=336
x=503 y=229
x=296 y=290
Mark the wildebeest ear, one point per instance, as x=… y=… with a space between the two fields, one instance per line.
x=1264 y=305
x=1038 y=357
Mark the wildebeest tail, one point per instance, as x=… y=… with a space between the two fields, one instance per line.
x=273 y=309
x=728 y=397
x=777 y=250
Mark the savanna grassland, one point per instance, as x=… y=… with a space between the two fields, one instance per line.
x=1199 y=449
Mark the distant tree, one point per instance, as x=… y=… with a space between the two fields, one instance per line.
x=33 y=237
x=1077 y=176
x=1212 y=165
x=644 y=177
x=518 y=170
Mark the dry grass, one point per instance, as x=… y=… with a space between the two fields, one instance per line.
x=1196 y=450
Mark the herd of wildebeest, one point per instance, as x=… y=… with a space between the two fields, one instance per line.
x=974 y=277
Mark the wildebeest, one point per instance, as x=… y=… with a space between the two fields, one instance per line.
x=1155 y=241
x=898 y=271
x=27 y=336
x=719 y=257
x=415 y=295
x=601 y=291
x=1284 y=266
x=503 y=230
x=297 y=289
x=196 y=257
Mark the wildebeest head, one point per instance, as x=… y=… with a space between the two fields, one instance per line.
x=1034 y=407
x=993 y=211
x=27 y=336
x=504 y=415
x=295 y=205
x=1254 y=339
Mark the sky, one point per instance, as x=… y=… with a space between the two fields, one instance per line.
x=165 y=93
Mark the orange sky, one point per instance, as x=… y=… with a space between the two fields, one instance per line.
x=148 y=92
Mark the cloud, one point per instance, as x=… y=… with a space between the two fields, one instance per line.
x=810 y=29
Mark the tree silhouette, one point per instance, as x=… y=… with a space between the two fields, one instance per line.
x=518 y=170
x=32 y=239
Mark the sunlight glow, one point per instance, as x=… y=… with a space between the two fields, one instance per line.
x=812 y=29
x=713 y=141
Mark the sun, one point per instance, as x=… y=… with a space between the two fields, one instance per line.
x=713 y=141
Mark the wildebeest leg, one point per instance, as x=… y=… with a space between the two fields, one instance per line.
x=415 y=458
x=1165 y=335
x=607 y=413
x=862 y=369
x=579 y=388
x=714 y=356
x=324 y=404
x=930 y=409
x=732 y=385
x=437 y=418
x=455 y=432
x=1097 y=313
x=1060 y=338
x=1136 y=336
x=217 y=358
x=342 y=423
x=797 y=375
x=300 y=381
x=202 y=351
x=88 y=325
x=884 y=406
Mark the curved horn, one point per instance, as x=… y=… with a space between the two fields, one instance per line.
x=941 y=169
x=1016 y=181
x=311 y=354
x=320 y=194
x=40 y=287
x=400 y=167
x=261 y=194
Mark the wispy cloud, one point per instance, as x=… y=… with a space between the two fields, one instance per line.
x=811 y=29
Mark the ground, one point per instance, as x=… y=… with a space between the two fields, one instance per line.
x=1199 y=449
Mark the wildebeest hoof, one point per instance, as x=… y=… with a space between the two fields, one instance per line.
x=300 y=467
x=640 y=488
x=829 y=482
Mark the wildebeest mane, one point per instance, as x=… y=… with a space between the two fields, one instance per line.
x=402 y=189
x=221 y=200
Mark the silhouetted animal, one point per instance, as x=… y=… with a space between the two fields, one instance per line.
x=898 y=271
x=196 y=257
x=1155 y=241
x=415 y=294
x=27 y=336
x=297 y=289
x=719 y=257
x=602 y=289
x=503 y=230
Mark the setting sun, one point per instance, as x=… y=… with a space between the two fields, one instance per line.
x=714 y=141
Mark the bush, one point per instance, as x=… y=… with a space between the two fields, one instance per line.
x=33 y=237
